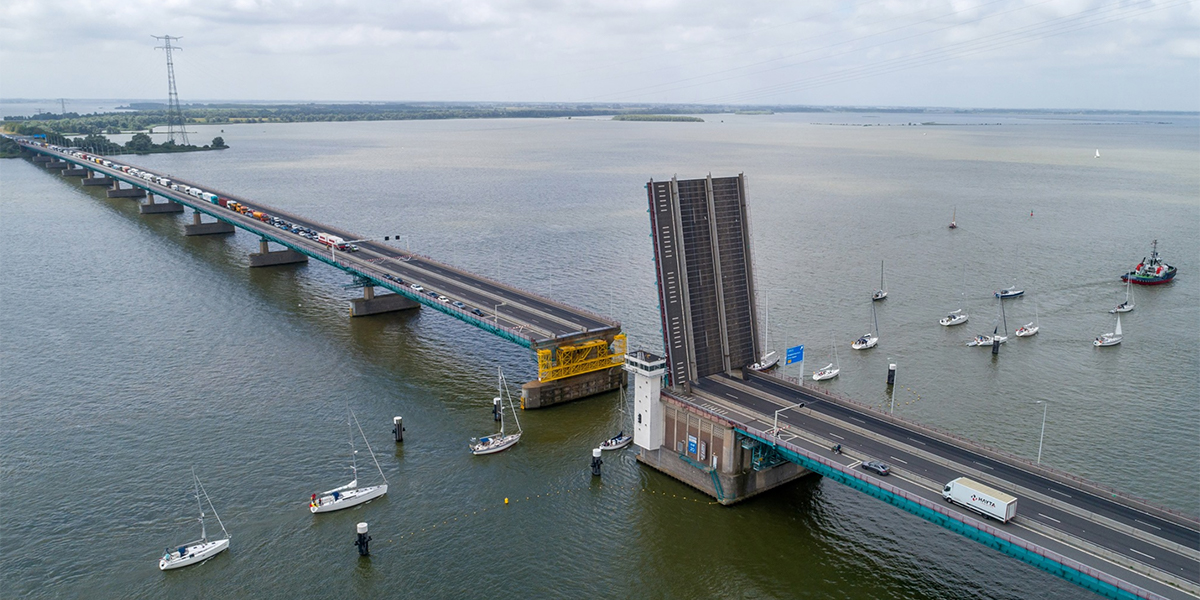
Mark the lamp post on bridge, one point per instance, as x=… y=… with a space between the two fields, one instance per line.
x=496 y=312
x=1042 y=437
x=775 y=429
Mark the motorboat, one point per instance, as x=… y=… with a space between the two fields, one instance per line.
x=1151 y=272
x=1010 y=292
x=957 y=317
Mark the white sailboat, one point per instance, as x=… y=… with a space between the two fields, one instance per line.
x=767 y=361
x=1109 y=339
x=1029 y=329
x=620 y=440
x=954 y=219
x=350 y=494
x=199 y=550
x=957 y=317
x=868 y=340
x=984 y=339
x=832 y=369
x=498 y=441
x=1097 y=153
x=880 y=293
x=1127 y=305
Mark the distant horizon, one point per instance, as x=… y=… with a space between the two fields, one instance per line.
x=53 y=107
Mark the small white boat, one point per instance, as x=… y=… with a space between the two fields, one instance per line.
x=957 y=317
x=1127 y=305
x=1097 y=153
x=767 y=362
x=499 y=441
x=1029 y=329
x=954 y=219
x=832 y=369
x=1010 y=292
x=1109 y=339
x=200 y=550
x=616 y=442
x=984 y=339
x=868 y=340
x=350 y=494
x=880 y=293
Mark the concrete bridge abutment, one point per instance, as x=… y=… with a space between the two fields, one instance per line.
x=199 y=227
x=267 y=258
x=150 y=207
x=370 y=304
x=540 y=394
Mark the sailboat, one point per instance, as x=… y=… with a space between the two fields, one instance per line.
x=767 y=361
x=957 y=317
x=832 y=369
x=880 y=293
x=498 y=441
x=1097 y=153
x=1109 y=339
x=199 y=550
x=1127 y=305
x=954 y=219
x=350 y=494
x=620 y=440
x=868 y=340
x=987 y=340
x=1029 y=329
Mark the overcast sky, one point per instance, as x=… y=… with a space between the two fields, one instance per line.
x=966 y=53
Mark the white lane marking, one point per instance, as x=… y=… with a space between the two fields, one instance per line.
x=917 y=441
x=1147 y=524
x=1059 y=493
x=837 y=436
x=857 y=419
x=855 y=464
x=898 y=460
x=1143 y=554
x=1049 y=517
x=981 y=464
x=731 y=395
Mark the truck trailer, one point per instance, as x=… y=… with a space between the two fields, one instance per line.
x=980 y=498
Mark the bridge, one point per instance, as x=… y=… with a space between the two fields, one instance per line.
x=705 y=418
x=579 y=353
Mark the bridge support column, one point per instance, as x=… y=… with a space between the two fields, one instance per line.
x=41 y=158
x=117 y=192
x=73 y=171
x=57 y=165
x=94 y=178
x=540 y=394
x=199 y=227
x=370 y=304
x=152 y=208
x=706 y=453
x=266 y=258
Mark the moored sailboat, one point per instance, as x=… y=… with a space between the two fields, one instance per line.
x=350 y=494
x=199 y=550
x=868 y=340
x=832 y=369
x=499 y=441
x=620 y=440
x=880 y=293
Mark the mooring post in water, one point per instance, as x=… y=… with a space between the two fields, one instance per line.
x=891 y=374
x=995 y=345
x=363 y=540
x=496 y=409
x=596 y=462
x=398 y=429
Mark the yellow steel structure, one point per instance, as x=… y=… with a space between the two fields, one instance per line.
x=580 y=358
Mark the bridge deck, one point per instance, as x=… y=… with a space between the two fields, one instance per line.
x=517 y=315
x=1142 y=541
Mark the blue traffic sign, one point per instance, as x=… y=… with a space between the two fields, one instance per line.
x=795 y=354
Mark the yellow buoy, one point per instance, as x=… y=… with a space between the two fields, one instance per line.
x=506 y=500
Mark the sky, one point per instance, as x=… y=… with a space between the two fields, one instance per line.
x=1089 y=54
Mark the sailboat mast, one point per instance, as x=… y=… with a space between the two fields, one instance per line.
x=196 y=486
x=881 y=288
x=353 y=452
x=875 y=318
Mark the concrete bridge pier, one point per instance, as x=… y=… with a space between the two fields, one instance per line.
x=41 y=158
x=117 y=192
x=266 y=258
x=369 y=304
x=199 y=227
x=540 y=394
x=94 y=178
x=73 y=171
x=150 y=207
x=56 y=165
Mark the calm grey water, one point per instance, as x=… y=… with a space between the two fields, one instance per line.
x=129 y=353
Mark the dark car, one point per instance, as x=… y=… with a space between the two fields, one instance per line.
x=878 y=467
x=477 y=311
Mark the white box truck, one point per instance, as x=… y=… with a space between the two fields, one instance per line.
x=980 y=498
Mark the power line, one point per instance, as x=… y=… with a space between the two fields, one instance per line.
x=175 y=122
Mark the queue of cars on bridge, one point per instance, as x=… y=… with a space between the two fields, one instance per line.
x=323 y=238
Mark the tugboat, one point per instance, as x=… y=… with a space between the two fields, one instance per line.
x=1151 y=272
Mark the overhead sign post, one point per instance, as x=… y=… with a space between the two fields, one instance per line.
x=795 y=354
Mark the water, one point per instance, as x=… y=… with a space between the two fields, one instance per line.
x=129 y=353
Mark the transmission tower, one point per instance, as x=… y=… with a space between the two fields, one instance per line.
x=175 y=122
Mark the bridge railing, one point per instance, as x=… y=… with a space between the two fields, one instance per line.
x=966 y=521
x=1100 y=489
